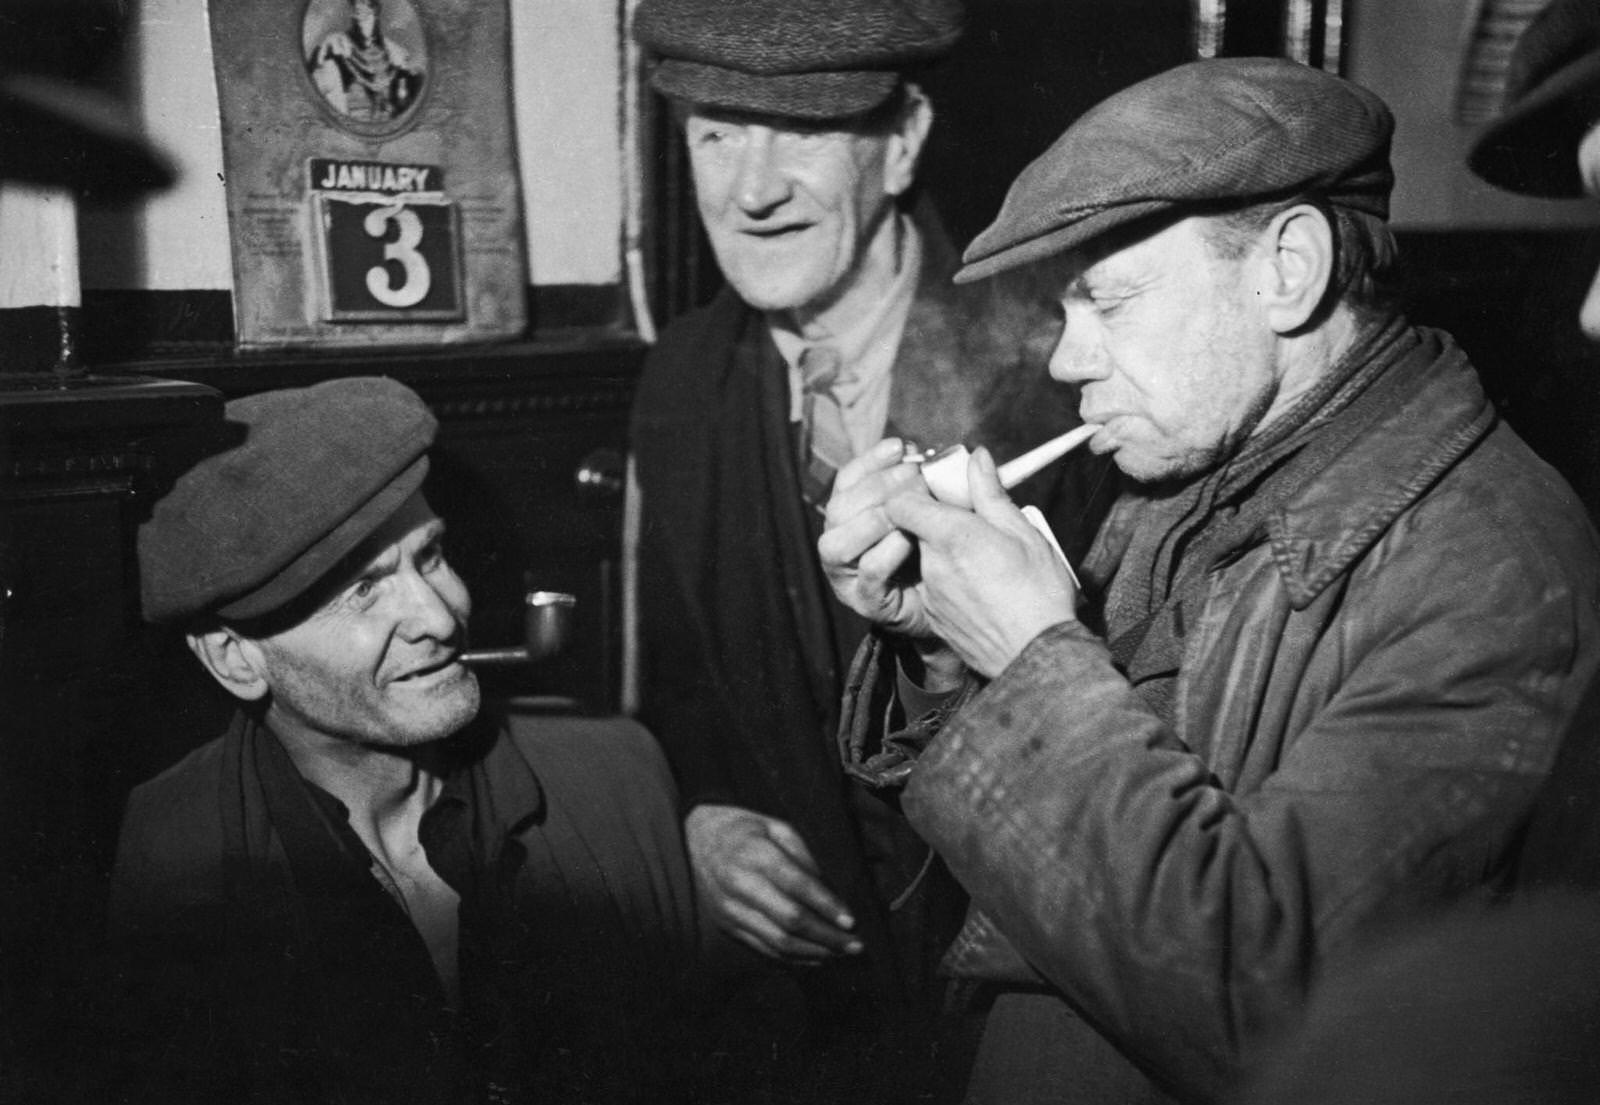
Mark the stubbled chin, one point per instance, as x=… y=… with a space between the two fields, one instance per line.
x=445 y=708
x=764 y=295
x=444 y=685
x=459 y=679
x=775 y=275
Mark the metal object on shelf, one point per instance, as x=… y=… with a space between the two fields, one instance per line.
x=602 y=473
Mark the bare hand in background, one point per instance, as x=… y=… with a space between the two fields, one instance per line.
x=763 y=886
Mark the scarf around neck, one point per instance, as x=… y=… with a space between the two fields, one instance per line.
x=1184 y=533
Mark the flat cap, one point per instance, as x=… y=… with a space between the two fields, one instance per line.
x=311 y=472
x=1552 y=99
x=1229 y=130
x=803 y=59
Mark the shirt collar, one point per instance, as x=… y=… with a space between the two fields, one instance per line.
x=495 y=786
x=489 y=792
x=867 y=349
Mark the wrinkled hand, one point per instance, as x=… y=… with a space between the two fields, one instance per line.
x=990 y=582
x=862 y=551
x=764 y=888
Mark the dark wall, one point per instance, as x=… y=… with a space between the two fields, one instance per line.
x=1024 y=70
x=1511 y=299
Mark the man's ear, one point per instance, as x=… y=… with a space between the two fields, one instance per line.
x=906 y=140
x=234 y=661
x=1298 y=268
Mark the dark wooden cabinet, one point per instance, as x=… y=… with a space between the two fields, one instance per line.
x=80 y=461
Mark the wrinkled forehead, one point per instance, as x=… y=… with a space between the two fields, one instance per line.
x=412 y=526
x=414 y=523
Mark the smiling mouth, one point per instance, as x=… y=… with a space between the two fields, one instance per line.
x=431 y=669
x=768 y=233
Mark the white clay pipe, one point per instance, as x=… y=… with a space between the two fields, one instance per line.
x=946 y=473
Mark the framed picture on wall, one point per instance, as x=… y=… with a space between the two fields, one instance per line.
x=370 y=171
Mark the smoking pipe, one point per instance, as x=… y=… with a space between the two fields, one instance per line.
x=546 y=628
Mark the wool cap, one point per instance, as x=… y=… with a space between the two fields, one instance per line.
x=1208 y=133
x=802 y=59
x=1552 y=99
x=309 y=474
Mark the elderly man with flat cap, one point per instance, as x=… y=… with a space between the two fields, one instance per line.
x=804 y=123
x=1324 y=648
x=367 y=889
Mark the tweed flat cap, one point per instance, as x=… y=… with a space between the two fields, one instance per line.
x=1552 y=99
x=1206 y=133
x=803 y=59
x=314 y=472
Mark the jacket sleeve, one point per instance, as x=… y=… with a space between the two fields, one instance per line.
x=678 y=684
x=169 y=849
x=1180 y=916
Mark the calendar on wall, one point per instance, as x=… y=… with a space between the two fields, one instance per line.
x=370 y=172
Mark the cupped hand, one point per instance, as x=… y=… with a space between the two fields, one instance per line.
x=763 y=887
x=863 y=553
x=989 y=582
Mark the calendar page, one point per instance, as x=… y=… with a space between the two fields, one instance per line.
x=370 y=171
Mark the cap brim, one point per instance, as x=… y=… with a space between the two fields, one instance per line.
x=1059 y=240
x=1533 y=147
x=307 y=569
x=56 y=133
x=826 y=95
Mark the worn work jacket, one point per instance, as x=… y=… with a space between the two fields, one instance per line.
x=1371 y=690
x=266 y=963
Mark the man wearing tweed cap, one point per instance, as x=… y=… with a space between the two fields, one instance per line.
x=804 y=123
x=368 y=889
x=1324 y=649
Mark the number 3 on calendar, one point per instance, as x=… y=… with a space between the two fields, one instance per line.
x=381 y=258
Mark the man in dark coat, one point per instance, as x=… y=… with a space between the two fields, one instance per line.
x=1501 y=1001
x=365 y=890
x=1348 y=615
x=804 y=125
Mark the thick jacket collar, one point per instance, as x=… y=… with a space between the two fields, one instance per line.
x=1337 y=517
